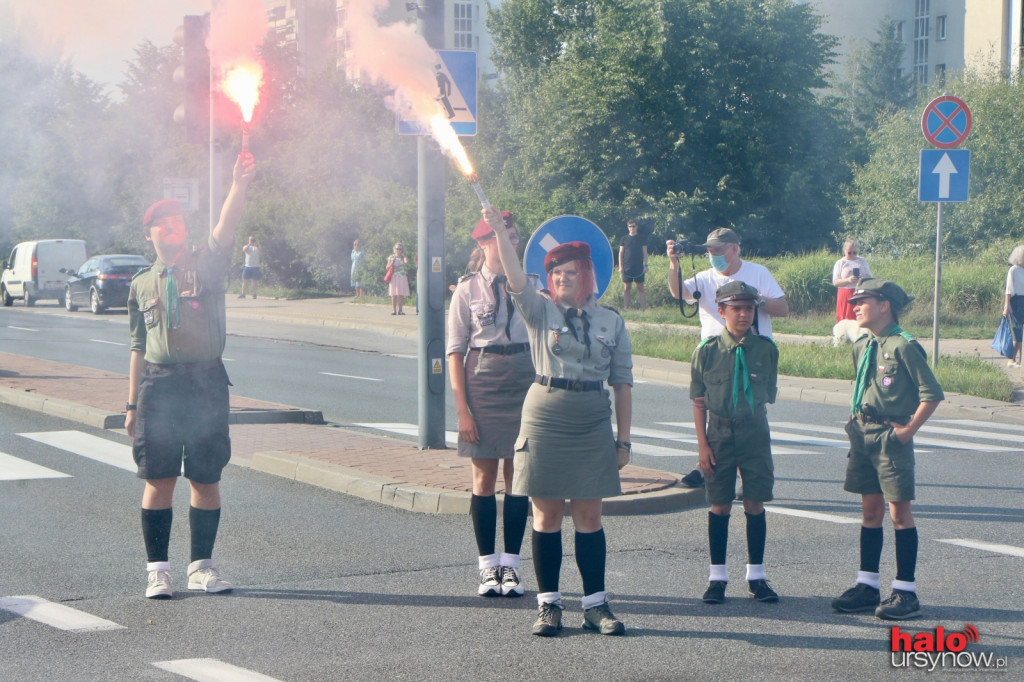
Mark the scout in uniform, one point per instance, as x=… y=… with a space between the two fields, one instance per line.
x=566 y=448
x=733 y=376
x=894 y=395
x=177 y=409
x=490 y=370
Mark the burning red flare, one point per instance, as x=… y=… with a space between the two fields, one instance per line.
x=241 y=84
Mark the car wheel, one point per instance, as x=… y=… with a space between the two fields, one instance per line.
x=94 y=302
x=7 y=300
x=29 y=301
x=71 y=307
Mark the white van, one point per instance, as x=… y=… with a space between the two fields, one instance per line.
x=33 y=270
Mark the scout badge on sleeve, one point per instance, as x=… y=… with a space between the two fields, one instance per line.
x=571 y=228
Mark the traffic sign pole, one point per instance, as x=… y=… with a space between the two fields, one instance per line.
x=938 y=282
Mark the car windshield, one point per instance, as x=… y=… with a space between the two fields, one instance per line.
x=124 y=263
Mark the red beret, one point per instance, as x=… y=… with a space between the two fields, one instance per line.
x=566 y=253
x=165 y=208
x=483 y=229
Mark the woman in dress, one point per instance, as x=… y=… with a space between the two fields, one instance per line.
x=398 y=287
x=566 y=449
x=1013 y=309
x=845 y=274
x=356 y=275
x=490 y=370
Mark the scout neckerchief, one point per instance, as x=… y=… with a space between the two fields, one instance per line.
x=171 y=292
x=582 y=314
x=740 y=370
x=497 y=284
x=867 y=361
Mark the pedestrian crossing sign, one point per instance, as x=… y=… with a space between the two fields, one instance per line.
x=455 y=72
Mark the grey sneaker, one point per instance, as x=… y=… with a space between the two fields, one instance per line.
x=159 y=585
x=490 y=582
x=510 y=583
x=601 y=619
x=549 y=620
x=860 y=597
x=715 y=594
x=203 y=576
x=900 y=605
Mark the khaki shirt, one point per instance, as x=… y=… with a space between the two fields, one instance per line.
x=712 y=370
x=557 y=353
x=201 y=278
x=476 y=319
x=901 y=378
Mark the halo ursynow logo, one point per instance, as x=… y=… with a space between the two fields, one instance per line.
x=940 y=649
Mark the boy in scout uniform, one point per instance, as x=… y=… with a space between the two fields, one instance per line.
x=733 y=376
x=177 y=407
x=894 y=395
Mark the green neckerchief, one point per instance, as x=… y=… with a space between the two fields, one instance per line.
x=740 y=370
x=173 y=314
x=867 y=361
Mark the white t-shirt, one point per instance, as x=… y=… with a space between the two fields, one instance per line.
x=844 y=268
x=1015 y=281
x=252 y=255
x=708 y=283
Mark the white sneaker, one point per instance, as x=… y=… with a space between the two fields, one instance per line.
x=159 y=585
x=203 y=576
x=510 y=584
x=490 y=582
x=1011 y=363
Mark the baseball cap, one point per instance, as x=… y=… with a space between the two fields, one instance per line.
x=721 y=237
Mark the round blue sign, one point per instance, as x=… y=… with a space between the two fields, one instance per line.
x=570 y=228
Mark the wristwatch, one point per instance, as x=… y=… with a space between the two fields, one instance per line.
x=128 y=407
x=619 y=444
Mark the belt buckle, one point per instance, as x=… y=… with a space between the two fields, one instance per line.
x=577 y=385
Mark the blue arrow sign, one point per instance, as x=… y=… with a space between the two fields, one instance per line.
x=945 y=175
x=455 y=73
x=570 y=228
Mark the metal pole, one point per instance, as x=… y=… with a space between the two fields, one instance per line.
x=432 y=169
x=938 y=285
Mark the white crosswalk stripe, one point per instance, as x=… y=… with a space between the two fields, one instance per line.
x=87 y=445
x=211 y=670
x=14 y=469
x=56 y=615
x=986 y=546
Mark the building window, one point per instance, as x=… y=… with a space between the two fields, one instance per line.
x=940 y=74
x=940 y=27
x=921 y=10
x=463 y=33
x=897 y=31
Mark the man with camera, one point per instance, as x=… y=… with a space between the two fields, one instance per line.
x=723 y=249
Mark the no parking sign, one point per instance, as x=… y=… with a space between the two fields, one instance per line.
x=571 y=228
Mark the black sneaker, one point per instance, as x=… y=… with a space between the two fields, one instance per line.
x=601 y=619
x=490 y=582
x=900 y=605
x=549 y=621
x=694 y=479
x=762 y=591
x=715 y=594
x=860 y=597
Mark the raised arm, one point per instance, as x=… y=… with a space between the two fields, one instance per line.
x=506 y=252
x=231 y=212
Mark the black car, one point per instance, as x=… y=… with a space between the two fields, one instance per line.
x=102 y=282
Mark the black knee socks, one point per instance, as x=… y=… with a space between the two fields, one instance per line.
x=591 y=554
x=204 y=523
x=514 y=515
x=718 y=537
x=757 y=532
x=547 y=559
x=156 y=532
x=484 y=512
x=906 y=554
x=870 y=549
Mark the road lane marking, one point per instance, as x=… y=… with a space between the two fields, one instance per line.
x=986 y=546
x=56 y=615
x=22 y=329
x=212 y=670
x=776 y=449
x=110 y=343
x=350 y=376
x=16 y=469
x=987 y=426
x=87 y=445
x=817 y=516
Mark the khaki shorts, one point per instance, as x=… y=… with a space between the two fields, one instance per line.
x=879 y=463
x=745 y=444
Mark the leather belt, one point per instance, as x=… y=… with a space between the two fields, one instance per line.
x=510 y=349
x=864 y=419
x=568 y=384
x=183 y=367
x=737 y=421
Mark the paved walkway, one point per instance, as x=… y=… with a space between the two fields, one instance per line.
x=295 y=443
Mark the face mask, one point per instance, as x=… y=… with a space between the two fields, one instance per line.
x=719 y=263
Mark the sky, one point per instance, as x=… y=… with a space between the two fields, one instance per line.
x=98 y=36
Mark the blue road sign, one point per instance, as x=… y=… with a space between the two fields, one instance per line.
x=570 y=228
x=455 y=72
x=945 y=175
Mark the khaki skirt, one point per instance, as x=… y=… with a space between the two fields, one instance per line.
x=496 y=386
x=566 y=449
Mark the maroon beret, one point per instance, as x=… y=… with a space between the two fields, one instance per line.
x=566 y=253
x=165 y=208
x=483 y=228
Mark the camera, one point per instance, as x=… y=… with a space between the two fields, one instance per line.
x=684 y=247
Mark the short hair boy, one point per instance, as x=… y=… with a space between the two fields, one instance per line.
x=733 y=376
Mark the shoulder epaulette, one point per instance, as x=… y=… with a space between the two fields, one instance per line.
x=608 y=307
x=142 y=270
x=705 y=342
x=907 y=336
x=769 y=340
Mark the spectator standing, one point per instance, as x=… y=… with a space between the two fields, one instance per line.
x=845 y=274
x=356 y=273
x=490 y=370
x=398 y=287
x=251 y=269
x=178 y=401
x=633 y=265
x=1013 y=309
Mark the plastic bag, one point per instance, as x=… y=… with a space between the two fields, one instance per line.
x=1003 y=341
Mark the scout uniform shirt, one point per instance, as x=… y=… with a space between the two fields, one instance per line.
x=896 y=377
x=589 y=344
x=736 y=379
x=477 y=318
x=191 y=328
